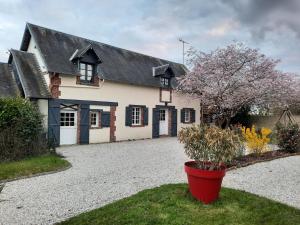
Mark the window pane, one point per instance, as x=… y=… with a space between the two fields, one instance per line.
x=82 y=66
x=82 y=72
x=89 y=67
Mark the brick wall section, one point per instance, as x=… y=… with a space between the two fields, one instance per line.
x=112 y=123
x=55 y=81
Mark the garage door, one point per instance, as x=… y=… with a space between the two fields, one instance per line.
x=68 y=127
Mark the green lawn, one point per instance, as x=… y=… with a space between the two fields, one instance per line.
x=30 y=166
x=172 y=204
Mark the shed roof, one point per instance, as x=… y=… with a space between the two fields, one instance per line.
x=30 y=75
x=8 y=85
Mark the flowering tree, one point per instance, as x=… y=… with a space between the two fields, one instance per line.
x=229 y=78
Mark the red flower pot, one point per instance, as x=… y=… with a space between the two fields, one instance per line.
x=204 y=185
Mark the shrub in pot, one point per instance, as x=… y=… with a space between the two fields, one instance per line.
x=210 y=148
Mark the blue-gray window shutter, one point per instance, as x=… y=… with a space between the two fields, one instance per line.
x=193 y=116
x=105 y=119
x=53 y=122
x=84 y=123
x=174 y=122
x=155 y=123
x=145 y=122
x=182 y=111
x=128 y=116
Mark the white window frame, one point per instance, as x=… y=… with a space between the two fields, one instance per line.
x=136 y=116
x=96 y=119
x=86 y=71
x=187 y=115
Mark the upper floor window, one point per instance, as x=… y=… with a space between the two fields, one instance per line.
x=86 y=72
x=136 y=115
x=165 y=82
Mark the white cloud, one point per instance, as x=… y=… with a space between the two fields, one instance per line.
x=223 y=28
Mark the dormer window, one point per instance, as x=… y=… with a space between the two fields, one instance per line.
x=165 y=82
x=87 y=61
x=86 y=72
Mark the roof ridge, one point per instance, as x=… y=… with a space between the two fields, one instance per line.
x=123 y=49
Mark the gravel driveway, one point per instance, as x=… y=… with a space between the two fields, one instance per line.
x=103 y=173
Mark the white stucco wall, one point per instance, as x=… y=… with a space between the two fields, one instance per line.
x=124 y=95
x=43 y=107
x=32 y=48
x=99 y=135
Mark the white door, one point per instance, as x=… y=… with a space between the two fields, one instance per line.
x=68 y=127
x=163 y=122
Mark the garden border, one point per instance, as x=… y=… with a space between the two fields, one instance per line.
x=2 y=182
x=262 y=160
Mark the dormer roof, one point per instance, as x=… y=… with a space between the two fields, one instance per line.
x=160 y=70
x=79 y=53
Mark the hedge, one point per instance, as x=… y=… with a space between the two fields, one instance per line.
x=21 y=130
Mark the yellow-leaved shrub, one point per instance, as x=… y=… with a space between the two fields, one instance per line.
x=257 y=142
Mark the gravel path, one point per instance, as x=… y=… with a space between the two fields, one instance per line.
x=277 y=179
x=103 y=173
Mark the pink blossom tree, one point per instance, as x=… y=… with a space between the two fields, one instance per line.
x=227 y=79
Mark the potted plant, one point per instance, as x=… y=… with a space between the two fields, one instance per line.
x=210 y=148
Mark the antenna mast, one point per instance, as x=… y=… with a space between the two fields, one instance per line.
x=183 y=43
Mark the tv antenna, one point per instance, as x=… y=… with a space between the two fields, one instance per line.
x=183 y=43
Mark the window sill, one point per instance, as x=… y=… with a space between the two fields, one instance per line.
x=138 y=125
x=188 y=122
x=87 y=84
x=95 y=128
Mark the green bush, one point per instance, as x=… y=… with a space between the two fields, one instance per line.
x=288 y=137
x=21 y=130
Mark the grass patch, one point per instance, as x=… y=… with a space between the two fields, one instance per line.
x=31 y=166
x=172 y=204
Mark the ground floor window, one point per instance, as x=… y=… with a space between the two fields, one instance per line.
x=136 y=115
x=187 y=116
x=94 y=119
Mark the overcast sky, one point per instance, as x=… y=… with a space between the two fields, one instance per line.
x=153 y=27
